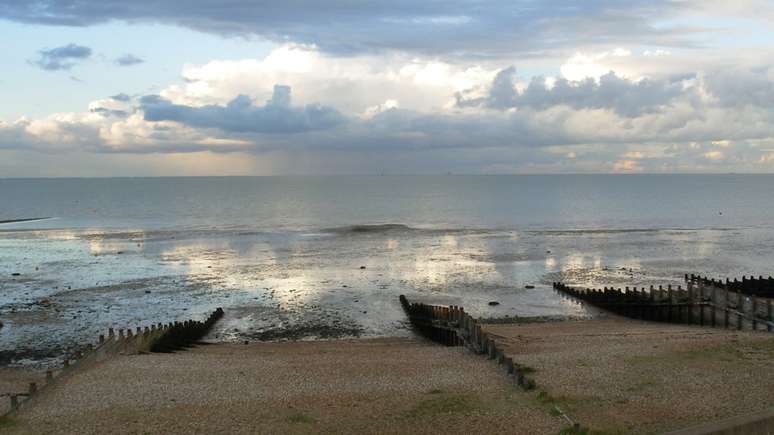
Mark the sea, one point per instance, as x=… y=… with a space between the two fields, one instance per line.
x=310 y=258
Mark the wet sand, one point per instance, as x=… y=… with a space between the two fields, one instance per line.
x=617 y=375
x=393 y=385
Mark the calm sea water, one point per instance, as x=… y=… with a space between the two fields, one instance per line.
x=283 y=255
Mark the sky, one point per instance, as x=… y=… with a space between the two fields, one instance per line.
x=93 y=88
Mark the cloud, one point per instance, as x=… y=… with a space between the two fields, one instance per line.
x=121 y=97
x=624 y=97
x=277 y=116
x=451 y=27
x=626 y=166
x=400 y=113
x=128 y=60
x=737 y=87
x=61 y=58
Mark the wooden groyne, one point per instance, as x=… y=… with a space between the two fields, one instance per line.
x=701 y=303
x=752 y=286
x=183 y=334
x=452 y=326
x=154 y=338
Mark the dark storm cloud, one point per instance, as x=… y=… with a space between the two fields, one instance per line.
x=625 y=97
x=61 y=58
x=461 y=27
x=241 y=115
x=128 y=60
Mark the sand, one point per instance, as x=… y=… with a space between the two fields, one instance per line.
x=356 y=386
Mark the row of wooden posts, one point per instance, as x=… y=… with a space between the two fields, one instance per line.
x=154 y=338
x=752 y=286
x=452 y=326
x=702 y=302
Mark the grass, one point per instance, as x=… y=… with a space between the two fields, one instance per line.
x=7 y=422
x=524 y=368
x=299 y=418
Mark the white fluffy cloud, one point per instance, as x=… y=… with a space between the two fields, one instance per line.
x=415 y=112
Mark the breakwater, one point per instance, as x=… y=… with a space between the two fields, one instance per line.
x=703 y=302
x=153 y=338
x=452 y=326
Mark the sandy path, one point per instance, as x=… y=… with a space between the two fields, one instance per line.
x=622 y=376
x=358 y=386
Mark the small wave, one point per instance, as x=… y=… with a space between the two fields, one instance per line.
x=372 y=228
x=400 y=229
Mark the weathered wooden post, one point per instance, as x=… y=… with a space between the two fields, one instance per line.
x=754 y=313
x=701 y=305
x=728 y=298
x=49 y=376
x=14 y=402
x=33 y=388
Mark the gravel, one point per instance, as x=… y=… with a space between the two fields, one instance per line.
x=393 y=385
x=623 y=376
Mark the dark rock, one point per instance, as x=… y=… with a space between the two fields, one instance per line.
x=16 y=274
x=493 y=303
x=147 y=292
x=529 y=287
x=362 y=267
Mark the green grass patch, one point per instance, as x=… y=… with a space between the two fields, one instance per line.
x=299 y=418
x=524 y=368
x=7 y=422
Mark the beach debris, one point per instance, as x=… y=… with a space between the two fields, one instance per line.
x=16 y=274
x=362 y=267
x=529 y=287
x=147 y=292
x=494 y=303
